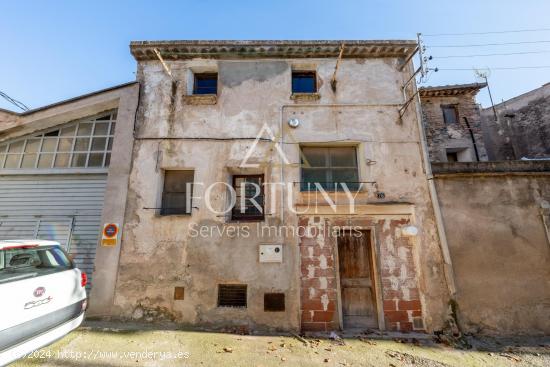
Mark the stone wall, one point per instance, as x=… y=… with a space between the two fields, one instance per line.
x=522 y=129
x=441 y=136
x=497 y=225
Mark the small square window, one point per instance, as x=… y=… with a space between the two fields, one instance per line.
x=450 y=114
x=274 y=302
x=452 y=157
x=179 y=293
x=232 y=295
x=249 y=192
x=206 y=83
x=304 y=82
x=177 y=192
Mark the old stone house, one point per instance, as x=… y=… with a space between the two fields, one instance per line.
x=452 y=122
x=521 y=127
x=215 y=116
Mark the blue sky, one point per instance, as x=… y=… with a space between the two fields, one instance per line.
x=53 y=50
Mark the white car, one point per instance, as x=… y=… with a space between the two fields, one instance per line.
x=42 y=296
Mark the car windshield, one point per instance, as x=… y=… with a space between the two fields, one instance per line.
x=21 y=262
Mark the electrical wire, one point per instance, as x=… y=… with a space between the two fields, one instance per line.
x=494 y=54
x=490 y=44
x=491 y=32
x=497 y=68
x=13 y=101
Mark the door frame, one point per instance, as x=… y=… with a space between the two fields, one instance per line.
x=376 y=281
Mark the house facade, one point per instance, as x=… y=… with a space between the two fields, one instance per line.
x=452 y=121
x=278 y=185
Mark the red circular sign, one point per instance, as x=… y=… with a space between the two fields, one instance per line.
x=110 y=230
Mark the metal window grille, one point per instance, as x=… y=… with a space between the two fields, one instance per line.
x=232 y=295
x=248 y=185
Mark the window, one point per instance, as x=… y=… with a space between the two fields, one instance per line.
x=450 y=114
x=177 y=192
x=232 y=295
x=21 y=262
x=452 y=156
x=206 y=83
x=458 y=155
x=249 y=203
x=304 y=82
x=85 y=143
x=329 y=167
x=274 y=302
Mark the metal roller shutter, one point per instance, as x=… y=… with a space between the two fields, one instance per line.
x=64 y=208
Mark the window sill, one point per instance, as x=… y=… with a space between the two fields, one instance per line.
x=200 y=99
x=305 y=97
x=186 y=215
x=245 y=220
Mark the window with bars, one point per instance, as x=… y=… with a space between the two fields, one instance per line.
x=329 y=168
x=80 y=144
x=249 y=203
x=232 y=295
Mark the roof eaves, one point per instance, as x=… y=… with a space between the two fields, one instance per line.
x=74 y=99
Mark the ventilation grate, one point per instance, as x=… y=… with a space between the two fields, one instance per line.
x=274 y=302
x=232 y=295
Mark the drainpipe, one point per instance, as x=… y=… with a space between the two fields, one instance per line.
x=473 y=137
x=447 y=263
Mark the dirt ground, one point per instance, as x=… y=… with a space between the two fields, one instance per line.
x=99 y=344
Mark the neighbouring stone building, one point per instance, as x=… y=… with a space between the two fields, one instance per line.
x=521 y=128
x=452 y=122
x=215 y=115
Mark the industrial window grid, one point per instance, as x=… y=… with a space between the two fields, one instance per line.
x=79 y=144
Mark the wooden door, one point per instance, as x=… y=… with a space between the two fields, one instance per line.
x=356 y=281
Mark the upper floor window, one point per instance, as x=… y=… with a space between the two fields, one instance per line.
x=304 y=82
x=450 y=114
x=329 y=168
x=177 y=192
x=249 y=203
x=205 y=83
x=85 y=143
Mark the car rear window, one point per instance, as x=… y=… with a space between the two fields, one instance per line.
x=17 y=263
